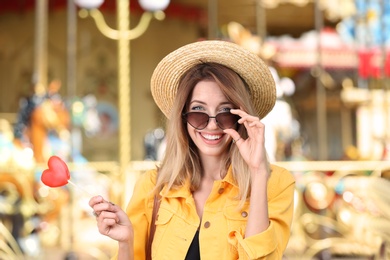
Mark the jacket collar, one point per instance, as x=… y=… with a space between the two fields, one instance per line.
x=229 y=177
x=184 y=191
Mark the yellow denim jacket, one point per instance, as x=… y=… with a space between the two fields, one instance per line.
x=222 y=228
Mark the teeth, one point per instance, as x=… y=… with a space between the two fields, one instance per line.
x=212 y=137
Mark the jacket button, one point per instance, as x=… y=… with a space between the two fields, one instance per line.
x=207 y=224
x=244 y=214
x=221 y=190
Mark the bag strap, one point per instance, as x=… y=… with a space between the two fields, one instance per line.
x=156 y=206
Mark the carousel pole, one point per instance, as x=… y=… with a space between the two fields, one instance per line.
x=213 y=19
x=261 y=21
x=322 y=141
x=71 y=92
x=71 y=75
x=321 y=109
x=40 y=46
x=123 y=35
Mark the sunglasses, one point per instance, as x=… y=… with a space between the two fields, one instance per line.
x=200 y=120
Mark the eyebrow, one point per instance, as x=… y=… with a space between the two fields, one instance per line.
x=204 y=103
x=197 y=101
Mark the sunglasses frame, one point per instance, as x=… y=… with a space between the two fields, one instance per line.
x=185 y=115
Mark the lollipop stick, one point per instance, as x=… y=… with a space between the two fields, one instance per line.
x=80 y=188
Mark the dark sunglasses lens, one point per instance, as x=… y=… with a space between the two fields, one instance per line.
x=227 y=120
x=197 y=119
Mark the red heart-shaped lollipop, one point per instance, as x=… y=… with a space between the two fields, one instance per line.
x=58 y=173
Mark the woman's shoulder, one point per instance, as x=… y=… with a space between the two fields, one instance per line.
x=147 y=179
x=150 y=175
x=144 y=185
x=280 y=178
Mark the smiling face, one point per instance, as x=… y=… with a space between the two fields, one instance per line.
x=208 y=98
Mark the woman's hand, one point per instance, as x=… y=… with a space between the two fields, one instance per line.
x=112 y=221
x=252 y=149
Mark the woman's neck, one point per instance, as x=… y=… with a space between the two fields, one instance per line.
x=212 y=168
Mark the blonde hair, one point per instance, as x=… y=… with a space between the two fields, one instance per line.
x=181 y=161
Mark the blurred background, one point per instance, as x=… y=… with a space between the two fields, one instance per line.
x=74 y=82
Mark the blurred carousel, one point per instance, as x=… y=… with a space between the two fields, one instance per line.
x=341 y=214
x=38 y=222
x=21 y=207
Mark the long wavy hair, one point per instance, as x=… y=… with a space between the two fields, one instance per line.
x=181 y=161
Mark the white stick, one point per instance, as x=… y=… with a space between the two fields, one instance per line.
x=77 y=186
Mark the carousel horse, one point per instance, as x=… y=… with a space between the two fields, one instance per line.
x=51 y=117
x=41 y=116
x=49 y=128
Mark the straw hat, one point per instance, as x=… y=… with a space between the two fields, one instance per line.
x=249 y=66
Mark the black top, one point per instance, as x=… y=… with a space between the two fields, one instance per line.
x=193 y=252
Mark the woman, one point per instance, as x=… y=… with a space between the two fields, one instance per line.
x=220 y=197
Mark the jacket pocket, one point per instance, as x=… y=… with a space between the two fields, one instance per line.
x=163 y=217
x=236 y=218
x=162 y=220
x=171 y=239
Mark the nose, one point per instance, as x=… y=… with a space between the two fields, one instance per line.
x=212 y=124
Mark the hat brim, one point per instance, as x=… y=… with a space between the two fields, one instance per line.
x=166 y=76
